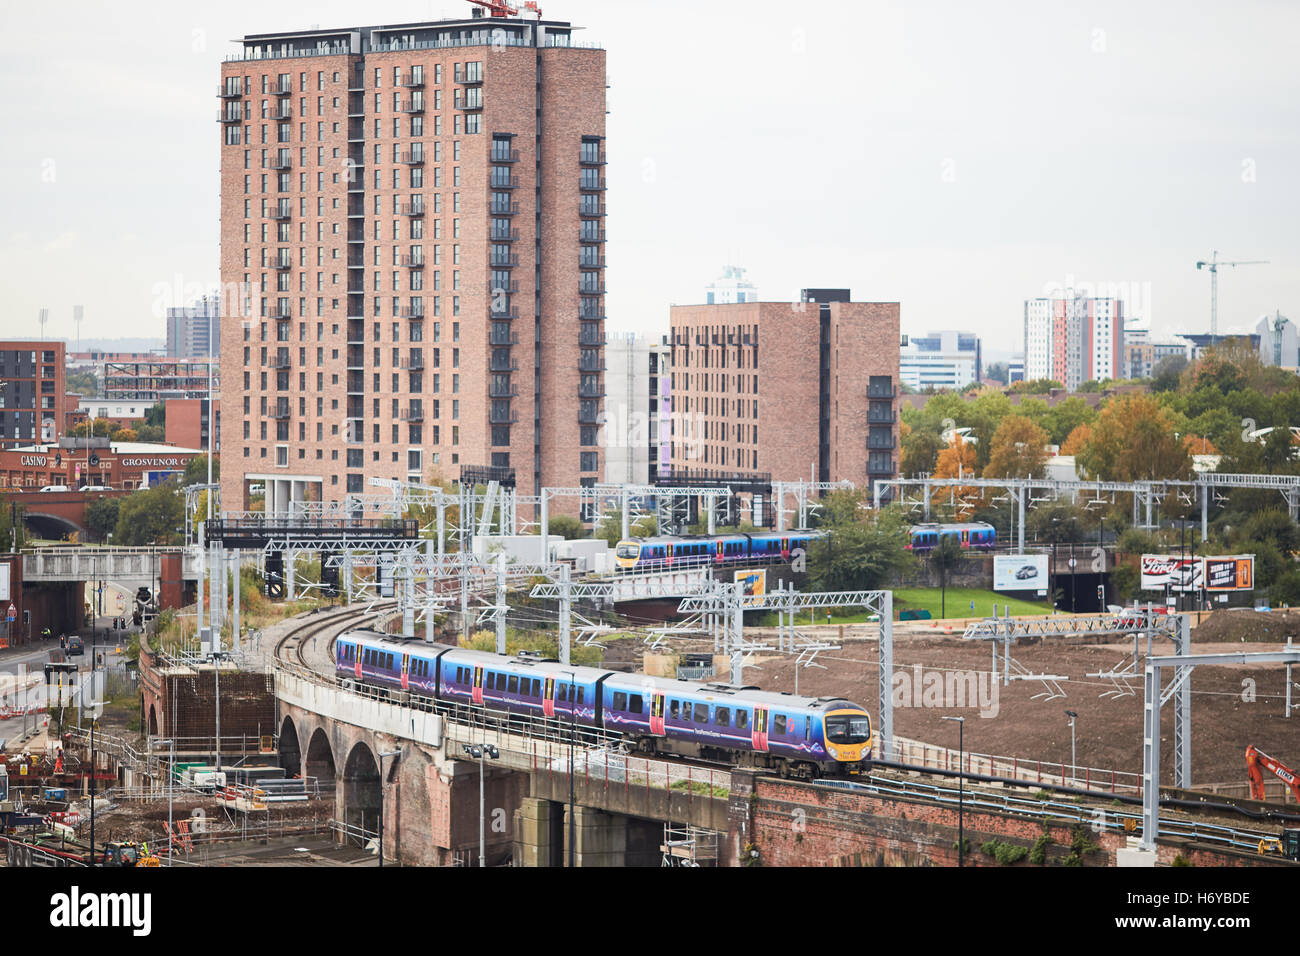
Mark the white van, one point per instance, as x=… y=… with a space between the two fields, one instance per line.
x=56 y=488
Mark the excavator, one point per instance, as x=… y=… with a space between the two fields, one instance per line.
x=1288 y=844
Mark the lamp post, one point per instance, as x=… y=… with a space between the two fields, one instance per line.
x=1101 y=543
x=961 y=788
x=1074 y=571
x=398 y=755
x=481 y=753
x=1051 y=577
x=1074 y=763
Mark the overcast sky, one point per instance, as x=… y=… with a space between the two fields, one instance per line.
x=956 y=157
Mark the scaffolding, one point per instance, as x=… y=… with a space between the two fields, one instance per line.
x=686 y=845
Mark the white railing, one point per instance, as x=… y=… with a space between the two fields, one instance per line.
x=1049 y=773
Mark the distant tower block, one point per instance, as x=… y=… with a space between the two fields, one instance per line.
x=44 y=317
x=78 y=313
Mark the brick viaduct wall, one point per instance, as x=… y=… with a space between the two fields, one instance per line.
x=796 y=824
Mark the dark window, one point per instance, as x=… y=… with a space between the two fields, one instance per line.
x=778 y=724
x=701 y=713
x=722 y=717
x=636 y=704
x=582 y=692
x=537 y=688
x=501 y=681
x=672 y=709
x=620 y=700
x=742 y=719
x=572 y=687
x=513 y=685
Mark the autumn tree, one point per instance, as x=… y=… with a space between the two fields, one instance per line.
x=1018 y=449
x=1078 y=440
x=958 y=460
x=1134 y=440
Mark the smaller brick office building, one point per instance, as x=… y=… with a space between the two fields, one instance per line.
x=795 y=390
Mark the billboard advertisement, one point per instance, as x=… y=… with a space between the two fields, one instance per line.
x=1161 y=571
x=1020 y=572
x=4 y=584
x=755 y=584
x=1233 y=572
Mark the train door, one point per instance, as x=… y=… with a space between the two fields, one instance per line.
x=759 y=729
x=548 y=697
x=668 y=553
x=717 y=552
x=657 y=715
x=477 y=693
x=965 y=537
x=357 y=649
x=785 y=549
x=406 y=672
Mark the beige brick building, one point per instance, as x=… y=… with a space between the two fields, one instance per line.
x=412 y=257
x=805 y=390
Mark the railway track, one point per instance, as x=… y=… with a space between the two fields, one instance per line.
x=307 y=631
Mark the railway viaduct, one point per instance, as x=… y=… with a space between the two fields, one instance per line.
x=621 y=804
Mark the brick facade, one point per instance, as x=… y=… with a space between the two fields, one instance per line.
x=786 y=389
x=398 y=298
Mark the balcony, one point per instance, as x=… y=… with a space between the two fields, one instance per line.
x=282 y=110
x=413 y=158
x=469 y=78
x=881 y=391
x=356 y=357
x=281 y=362
x=591 y=157
x=413 y=105
x=231 y=93
x=232 y=114
x=282 y=312
x=282 y=263
x=589 y=416
x=281 y=412
x=596 y=288
x=412 y=81
x=503 y=391
x=503 y=365
x=415 y=209
x=506 y=288
x=592 y=184
x=881 y=441
x=588 y=366
x=412 y=312
x=590 y=391
x=591 y=210
x=504 y=235
x=503 y=313
x=591 y=316
x=504 y=209
x=504 y=182
x=412 y=262
x=497 y=338
x=471 y=101
x=281 y=213
x=282 y=90
x=282 y=162
x=414 y=414
x=413 y=364
x=589 y=338
x=355 y=431
x=881 y=416
x=356 y=383
x=591 y=262
x=503 y=155
x=591 y=235
x=502 y=417
x=880 y=466
x=504 y=261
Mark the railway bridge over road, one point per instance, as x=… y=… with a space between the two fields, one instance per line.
x=428 y=798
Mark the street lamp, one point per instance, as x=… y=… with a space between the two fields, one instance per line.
x=479 y=753
x=1101 y=543
x=1074 y=573
x=382 y=756
x=961 y=788
x=1074 y=763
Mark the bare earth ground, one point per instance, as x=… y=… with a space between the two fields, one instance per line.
x=1109 y=730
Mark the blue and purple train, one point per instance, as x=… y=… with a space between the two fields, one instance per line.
x=797 y=736
x=680 y=551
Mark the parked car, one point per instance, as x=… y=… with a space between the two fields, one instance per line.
x=75 y=647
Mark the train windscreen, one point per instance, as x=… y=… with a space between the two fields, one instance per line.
x=848 y=729
x=627 y=550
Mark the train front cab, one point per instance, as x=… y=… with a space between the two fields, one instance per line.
x=847 y=738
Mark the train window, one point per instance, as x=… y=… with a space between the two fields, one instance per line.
x=722 y=717
x=513 y=685
x=672 y=709
x=620 y=700
x=806 y=722
x=778 y=724
x=582 y=692
x=365 y=657
x=701 y=713
x=500 y=681
x=742 y=719
x=635 y=703
x=537 y=687
x=572 y=687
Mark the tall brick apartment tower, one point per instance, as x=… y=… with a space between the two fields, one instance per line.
x=413 y=217
x=802 y=391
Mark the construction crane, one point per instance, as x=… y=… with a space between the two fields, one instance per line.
x=499 y=8
x=1213 y=266
x=1255 y=759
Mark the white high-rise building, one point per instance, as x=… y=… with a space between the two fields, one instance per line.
x=1074 y=339
x=731 y=286
x=636 y=432
x=940 y=360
